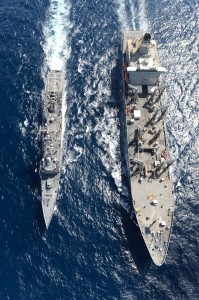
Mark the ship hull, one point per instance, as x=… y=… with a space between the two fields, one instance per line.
x=51 y=140
x=146 y=150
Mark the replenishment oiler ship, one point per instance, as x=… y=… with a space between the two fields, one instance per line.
x=51 y=143
x=146 y=152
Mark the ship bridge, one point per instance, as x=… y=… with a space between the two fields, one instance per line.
x=142 y=66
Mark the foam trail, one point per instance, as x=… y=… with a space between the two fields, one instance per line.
x=126 y=16
x=132 y=8
x=55 y=32
x=122 y=15
x=143 y=22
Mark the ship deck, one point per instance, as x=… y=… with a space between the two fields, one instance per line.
x=51 y=137
x=152 y=197
x=147 y=156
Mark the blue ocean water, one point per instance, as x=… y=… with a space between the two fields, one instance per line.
x=92 y=250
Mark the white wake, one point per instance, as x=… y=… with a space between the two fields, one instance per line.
x=123 y=15
x=143 y=22
x=56 y=34
x=131 y=17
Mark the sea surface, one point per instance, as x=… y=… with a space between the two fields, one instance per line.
x=93 y=249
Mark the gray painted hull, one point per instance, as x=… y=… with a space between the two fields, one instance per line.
x=51 y=140
x=146 y=150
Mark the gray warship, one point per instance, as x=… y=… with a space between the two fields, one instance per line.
x=147 y=156
x=51 y=143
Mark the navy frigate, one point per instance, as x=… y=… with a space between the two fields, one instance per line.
x=147 y=155
x=51 y=143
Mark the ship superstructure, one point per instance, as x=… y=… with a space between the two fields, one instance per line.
x=51 y=141
x=147 y=155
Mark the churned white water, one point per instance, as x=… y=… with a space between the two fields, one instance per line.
x=143 y=22
x=56 y=34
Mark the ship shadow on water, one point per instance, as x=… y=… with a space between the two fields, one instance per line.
x=39 y=219
x=40 y=223
x=133 y=241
